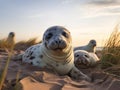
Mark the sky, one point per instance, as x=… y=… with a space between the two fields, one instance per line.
x=85 y=19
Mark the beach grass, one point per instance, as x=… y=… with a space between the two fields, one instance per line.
x=4 y=71
x=2 y=43
x=111 y=52
x=23 y=45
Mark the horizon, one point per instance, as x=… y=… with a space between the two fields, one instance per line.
x=85 y=19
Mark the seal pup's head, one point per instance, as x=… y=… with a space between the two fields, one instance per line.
x=92 y=43
x=81 y=58
x=11 y=35
x=57 y=39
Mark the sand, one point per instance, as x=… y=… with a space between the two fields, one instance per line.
x=21 y=76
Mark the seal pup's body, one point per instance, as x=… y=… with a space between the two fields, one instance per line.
x=90 y=47
x=54 y=52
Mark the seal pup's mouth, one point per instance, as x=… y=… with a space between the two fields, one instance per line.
x=82 y=60
x=94 y=45
x=58 y=49
x=57 y=46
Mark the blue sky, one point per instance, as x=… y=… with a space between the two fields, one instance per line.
x=85 y=19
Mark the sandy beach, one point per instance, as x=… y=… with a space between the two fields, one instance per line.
x=21 y=76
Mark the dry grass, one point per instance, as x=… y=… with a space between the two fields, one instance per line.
x=3 y=73
x=23 y=45
x=111 y=51
x=2 y=43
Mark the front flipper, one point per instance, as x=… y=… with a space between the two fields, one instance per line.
x=78 y=75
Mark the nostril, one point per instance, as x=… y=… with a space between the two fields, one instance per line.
x=58 y=41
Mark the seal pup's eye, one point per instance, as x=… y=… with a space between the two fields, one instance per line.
x=49 y=36
x=64 y=34
x=92 y=42
x=86 y=56
x=76 y=55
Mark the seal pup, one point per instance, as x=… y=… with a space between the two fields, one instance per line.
x=90 y=47
x=10 y=41
x=55 y=52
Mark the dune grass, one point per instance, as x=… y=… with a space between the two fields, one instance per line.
x=2 y=43
x=8 y=46
x=23 y=45
x=111 y=52
x=4 y=71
